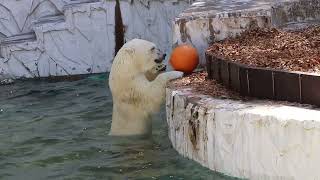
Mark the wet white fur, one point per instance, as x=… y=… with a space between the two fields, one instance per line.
x=135 y=98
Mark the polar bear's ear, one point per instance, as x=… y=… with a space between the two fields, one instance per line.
x=129 y=51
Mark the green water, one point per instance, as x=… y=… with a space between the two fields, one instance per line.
x=59 y=130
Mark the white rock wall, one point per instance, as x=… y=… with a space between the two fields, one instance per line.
x=16 y=16
x=81 y=44
x=82 y=39
x=154 y=22
x=258 y=140
x=85 y=43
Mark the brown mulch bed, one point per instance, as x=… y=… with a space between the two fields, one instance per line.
x=272 y=48
x=199 y=84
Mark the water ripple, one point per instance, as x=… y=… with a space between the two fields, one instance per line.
x=60 y=131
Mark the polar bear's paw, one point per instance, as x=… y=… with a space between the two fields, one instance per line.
x=167 y=76
x=174 y=75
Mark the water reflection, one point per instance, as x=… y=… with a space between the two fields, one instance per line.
x=60 y=130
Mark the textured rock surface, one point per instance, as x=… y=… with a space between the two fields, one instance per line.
x=258 y=140
x=209 y=21
x=18 y=15
x=67 y=37
x=297 y=12
x=154 y=23
x=80 y=41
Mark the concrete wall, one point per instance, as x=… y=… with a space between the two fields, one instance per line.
x=258 y=140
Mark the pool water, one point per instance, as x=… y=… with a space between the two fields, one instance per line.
x=59 y=130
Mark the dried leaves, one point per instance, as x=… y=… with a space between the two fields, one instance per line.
x=272 y=48
x=199 y=84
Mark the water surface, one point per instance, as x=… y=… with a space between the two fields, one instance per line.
x=59 y=130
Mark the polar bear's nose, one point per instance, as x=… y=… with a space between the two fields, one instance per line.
x=160 y=59
x=164 y=56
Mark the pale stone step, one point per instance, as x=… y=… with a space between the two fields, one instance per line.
x=257 y=139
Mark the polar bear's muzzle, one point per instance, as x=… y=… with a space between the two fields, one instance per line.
x=161 y=67
x=158 y=68
x=161 y=59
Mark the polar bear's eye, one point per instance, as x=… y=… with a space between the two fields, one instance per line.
x=153 y=48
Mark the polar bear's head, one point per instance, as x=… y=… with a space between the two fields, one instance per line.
x=141 y=56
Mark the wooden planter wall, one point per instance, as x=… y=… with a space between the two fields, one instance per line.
x=265 y=83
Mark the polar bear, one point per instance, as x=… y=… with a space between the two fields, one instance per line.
x=137 y=82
